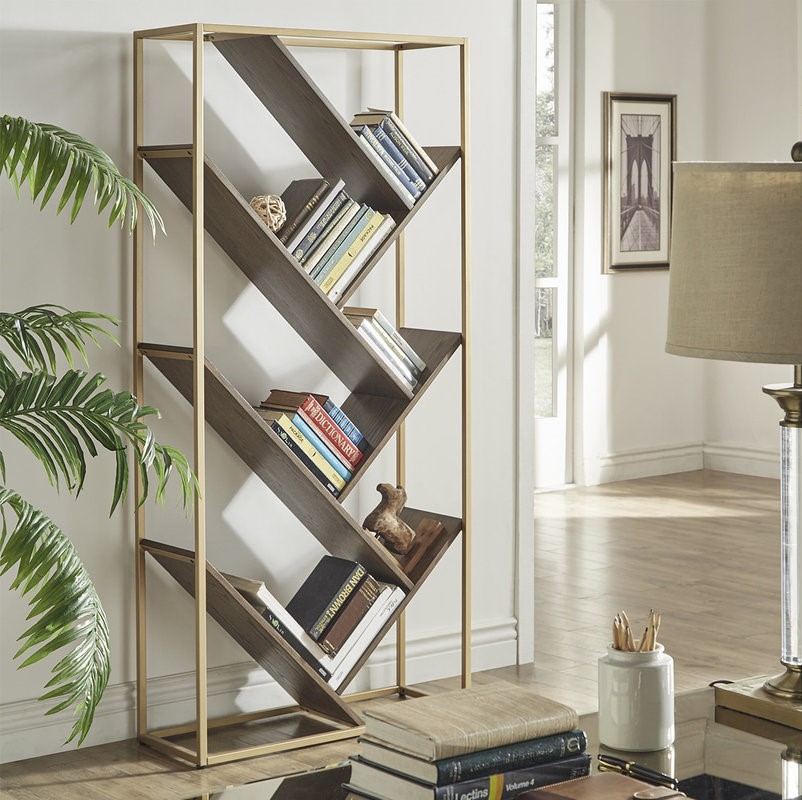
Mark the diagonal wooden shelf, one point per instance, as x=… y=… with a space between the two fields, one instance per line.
x=251 y=631
x=277 y=275
x=306 y=114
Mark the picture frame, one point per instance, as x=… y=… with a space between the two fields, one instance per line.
x=640 y=144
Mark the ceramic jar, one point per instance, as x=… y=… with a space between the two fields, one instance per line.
x=636 y=700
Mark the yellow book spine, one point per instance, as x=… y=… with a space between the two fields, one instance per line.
x=352 y=252
x=314 y=456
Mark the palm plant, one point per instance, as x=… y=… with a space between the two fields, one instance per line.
x=63 y=416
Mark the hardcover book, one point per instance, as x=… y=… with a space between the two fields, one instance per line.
x=387 y=785
x=347 y=234
x=353 y=250
x=366 y=134
x=366 y=225
x=329 y=214
x=308 y=222
x=479 y=763
x=389 y=145
x=371 y=337
x=298 y=449
x=299 y=198
x=409 y=199
x=347 y=619
x=324 y=593
x=453 y=723
x=603 y=786
x=385 y=324
x=314 y=256
x=407 y=135
x=389 y=343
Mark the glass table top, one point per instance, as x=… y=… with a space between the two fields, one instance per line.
x=712 y=760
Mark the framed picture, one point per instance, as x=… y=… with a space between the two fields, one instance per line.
x=640 y=142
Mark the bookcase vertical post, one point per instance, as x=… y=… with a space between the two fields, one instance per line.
x=139 y=392
x=400 y=436
x=199 y=393
x=465 y=140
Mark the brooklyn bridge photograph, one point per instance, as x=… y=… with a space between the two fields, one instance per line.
x=640 y=182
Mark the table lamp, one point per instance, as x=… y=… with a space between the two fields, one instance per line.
x=735 y=294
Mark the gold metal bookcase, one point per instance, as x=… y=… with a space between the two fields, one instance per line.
x=378 y=403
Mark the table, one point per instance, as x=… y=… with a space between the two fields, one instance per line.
x=713 y=760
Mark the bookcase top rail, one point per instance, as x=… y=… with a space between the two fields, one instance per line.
x=304 y=37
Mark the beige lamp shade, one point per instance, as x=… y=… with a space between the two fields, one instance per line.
x=735 y=285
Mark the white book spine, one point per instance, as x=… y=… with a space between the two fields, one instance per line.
x=344 y=281
x=376 y=159
x=372 y=339
x=315 y=214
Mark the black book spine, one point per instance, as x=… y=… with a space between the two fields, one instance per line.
x=304 y=458
x=292 y=640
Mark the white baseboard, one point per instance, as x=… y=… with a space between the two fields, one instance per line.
x=632 y=464
x=761 y=463
x=26 y=733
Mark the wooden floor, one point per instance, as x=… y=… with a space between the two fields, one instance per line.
x=701 y=547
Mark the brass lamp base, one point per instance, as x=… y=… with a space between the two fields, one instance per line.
x=787 y=684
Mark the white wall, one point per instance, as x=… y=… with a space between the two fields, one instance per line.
x=72 y=66
x=735 y=68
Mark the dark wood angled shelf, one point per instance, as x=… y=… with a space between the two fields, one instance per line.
x=378 y=418
x=445 y=158
x=267 y=264
x=249 y=629
x=290 y=95
x=262 y=450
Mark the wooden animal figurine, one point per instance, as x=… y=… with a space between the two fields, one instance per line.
x=390 y=529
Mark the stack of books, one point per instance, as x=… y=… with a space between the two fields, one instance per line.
x=331 y=235
x=332 y=619
x=320 y=435
x=387 y=343
x=493 y=742
x=395 y=152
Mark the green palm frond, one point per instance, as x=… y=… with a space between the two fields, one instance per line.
x=42 y=154
x=64 y=601
x=61 y=419
x=36 y=333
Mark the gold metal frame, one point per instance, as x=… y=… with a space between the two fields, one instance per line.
x=197 y=34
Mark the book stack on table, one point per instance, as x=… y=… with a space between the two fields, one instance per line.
x=490 y=742
x=320 y=435
x=333 y=617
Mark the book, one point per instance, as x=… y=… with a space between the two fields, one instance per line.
x=366 y=330
x=367 y=135
x=366 y=225
x=351 y=252
x=453 y=723
x=479 y=763
x=306 y=444
x=389 y=342
x=345 y=280
x=408 y=136
x=414 y=154
x=407 y=196
x=386 y=325
x=347 y=427
x=297 y=449
x=346 y=234
x=393 y=151
x=363 y=637
x=348 y=617
x=324 y=592
x=314 y=215
x=313 y=412
x=602 y=786
x=500 y=786
x=262 y=599
x=299 y=198
x=327 y=216
x=313 y=257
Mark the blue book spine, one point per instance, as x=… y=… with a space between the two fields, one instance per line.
x=400 y=141
x=316 y=442
x=353 y=234
x=322 y=223
x=347 y=427
x=367 y=134
x=387 y=143
x=353 y=225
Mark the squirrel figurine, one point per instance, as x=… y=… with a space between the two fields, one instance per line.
x=390 y=529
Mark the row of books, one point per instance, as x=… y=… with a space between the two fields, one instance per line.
x=491 y=742
x=329 y=233
x=318 y=433
x=394 y=150
x=380 y=335
x=332 y=619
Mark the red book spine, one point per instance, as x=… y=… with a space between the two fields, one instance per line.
x=331 y=433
